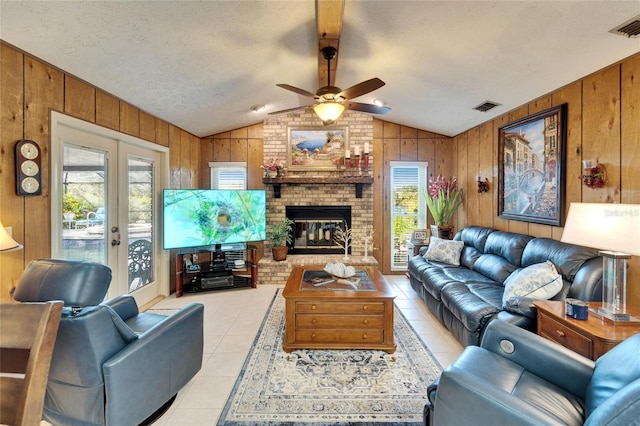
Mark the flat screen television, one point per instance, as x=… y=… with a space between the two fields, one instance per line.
x=212 y=217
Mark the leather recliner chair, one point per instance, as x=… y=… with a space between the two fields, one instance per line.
x=518 y=378
x=111 y=364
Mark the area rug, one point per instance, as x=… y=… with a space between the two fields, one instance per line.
x=332 y=387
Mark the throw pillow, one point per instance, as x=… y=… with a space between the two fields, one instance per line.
x=540 y=282
x=445 y=251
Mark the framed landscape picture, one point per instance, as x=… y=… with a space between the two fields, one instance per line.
x=531 y=167
x=316 y=148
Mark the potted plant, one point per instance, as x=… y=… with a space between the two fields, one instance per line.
x=279 y=235
x=443 y=200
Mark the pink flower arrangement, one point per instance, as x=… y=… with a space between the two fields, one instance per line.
x=274 y=165
x=443 y=199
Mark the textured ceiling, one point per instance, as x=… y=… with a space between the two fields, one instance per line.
x=203 y=65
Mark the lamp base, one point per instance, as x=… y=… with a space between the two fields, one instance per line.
x=614 y=316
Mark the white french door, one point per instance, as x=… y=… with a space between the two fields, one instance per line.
x=105 y=195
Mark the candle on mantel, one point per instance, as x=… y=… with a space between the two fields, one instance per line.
x=356 y=150
x=366 y=147
x=347 y=154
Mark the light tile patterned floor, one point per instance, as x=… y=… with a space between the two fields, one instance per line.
x=232 y=319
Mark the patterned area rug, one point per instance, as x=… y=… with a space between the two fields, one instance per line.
x=330 y=387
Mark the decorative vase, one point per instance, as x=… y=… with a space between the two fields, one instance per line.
x=271 y=173
x=445 y=231
x=279 y=253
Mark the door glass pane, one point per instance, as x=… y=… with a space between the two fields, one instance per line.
x=140 y=222
x=408 y=183
x=83 y=204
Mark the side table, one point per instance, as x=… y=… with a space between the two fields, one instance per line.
x=590 y=338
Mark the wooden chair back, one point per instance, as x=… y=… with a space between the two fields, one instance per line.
x=27 y=337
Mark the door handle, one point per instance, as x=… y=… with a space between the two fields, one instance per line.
x=115 y=241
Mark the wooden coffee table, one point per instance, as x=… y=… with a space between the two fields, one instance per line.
x=326 y=314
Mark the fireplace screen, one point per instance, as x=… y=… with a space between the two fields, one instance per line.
x=315 y=228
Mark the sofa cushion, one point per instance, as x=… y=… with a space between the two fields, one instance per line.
x=508 y=245
x=540 y=281
x=474 y=236
x=473 y=303
x=495 y=267
x=567 y=258
x=445 y=251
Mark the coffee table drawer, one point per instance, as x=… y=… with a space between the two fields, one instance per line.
x=342 y=321
x=553 y=330
x=340 y=307
x=338 y=336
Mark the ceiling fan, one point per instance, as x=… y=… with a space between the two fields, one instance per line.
x=331 y=101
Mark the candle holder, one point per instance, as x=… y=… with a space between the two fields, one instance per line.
x=357 y=165
x=347 y=166
x=366 y=163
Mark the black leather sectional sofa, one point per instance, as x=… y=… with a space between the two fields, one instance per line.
x=467 y=297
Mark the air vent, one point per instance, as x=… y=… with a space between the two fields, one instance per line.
x=630 y=29
x=486 y=106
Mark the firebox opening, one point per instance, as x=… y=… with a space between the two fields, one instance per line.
x=315 y=227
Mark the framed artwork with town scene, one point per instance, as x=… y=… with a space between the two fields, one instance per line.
x=316 y=148
x=531 y=168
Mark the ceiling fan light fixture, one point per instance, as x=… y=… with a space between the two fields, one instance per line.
x=328 y=112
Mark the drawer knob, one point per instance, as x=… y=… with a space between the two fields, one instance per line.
x=560 y=333
x=314 y=321
x=365 y=307
x=313 y=307
x=364 y=336
x=365 y=321
x=313 y=335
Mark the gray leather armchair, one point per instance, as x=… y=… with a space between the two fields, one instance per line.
x=518 y=378
x=111 y=365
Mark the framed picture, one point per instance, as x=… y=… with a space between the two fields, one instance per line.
x=419 y=236
x=531 y=168
x=316 y=148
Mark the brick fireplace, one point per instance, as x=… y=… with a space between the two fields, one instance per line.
x=315 y=194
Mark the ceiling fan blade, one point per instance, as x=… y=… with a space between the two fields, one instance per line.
x=282 y=111
x=298 y=90
x=361 y=89
x=372 y=109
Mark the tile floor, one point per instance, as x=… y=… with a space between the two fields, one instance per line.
x=232 y=319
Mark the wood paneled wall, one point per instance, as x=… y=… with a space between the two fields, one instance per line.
x=29 y=90
x=603 y=123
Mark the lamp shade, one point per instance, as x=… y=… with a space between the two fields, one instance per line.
x=602 y=226
x=328 y=112
x=6 y=242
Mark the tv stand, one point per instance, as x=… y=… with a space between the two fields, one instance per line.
x=194 y=275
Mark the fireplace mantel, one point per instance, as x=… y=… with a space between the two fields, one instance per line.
x=358 y=181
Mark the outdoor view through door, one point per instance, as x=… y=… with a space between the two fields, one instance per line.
x=408 y=207
x=85 y=230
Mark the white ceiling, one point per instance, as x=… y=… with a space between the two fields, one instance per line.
x=202 y=65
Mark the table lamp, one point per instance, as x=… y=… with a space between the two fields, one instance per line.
x=7 y=243
x=615 y=230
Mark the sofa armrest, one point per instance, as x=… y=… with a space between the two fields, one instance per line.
x=124 y=305
x=484 y=403
x=164 y=358
x=562 y=367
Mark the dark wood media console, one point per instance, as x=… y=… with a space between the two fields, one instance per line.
x=214 y=274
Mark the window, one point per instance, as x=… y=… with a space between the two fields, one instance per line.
x=228 y=175
x=408 y=207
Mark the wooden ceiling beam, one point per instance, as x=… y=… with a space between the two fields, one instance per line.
x=329 y=22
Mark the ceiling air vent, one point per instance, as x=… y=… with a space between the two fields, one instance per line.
x=486 y=106
x=630 y=29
